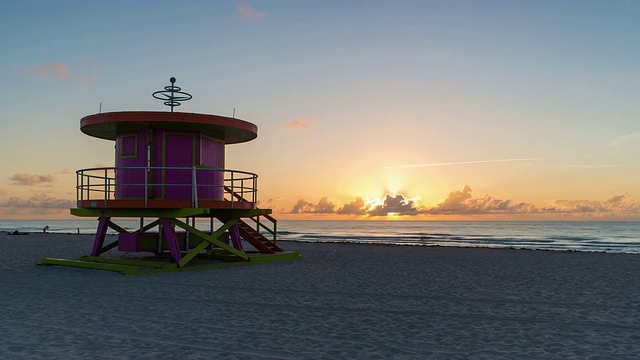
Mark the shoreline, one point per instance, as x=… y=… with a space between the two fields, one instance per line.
x=607 y=237
x=378 y=243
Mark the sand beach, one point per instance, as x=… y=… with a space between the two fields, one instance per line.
x=342 y=301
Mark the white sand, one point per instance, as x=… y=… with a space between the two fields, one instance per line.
x=342 y=301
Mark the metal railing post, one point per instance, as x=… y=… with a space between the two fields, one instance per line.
x=79 y=190
x=146 y=187
x=254 y=199
x=106 y=189
x=194 y=192
x=232 y=190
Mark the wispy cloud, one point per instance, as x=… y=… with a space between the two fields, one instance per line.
x=623 y=72
x=626 y=142
x=31 y=179
x=460 y=163
x=2 y=192
x=269 y=203
x=593 y=166
x=89 y=74
x=51 y=69
x=247 y=12
x=300 y=124
x=88 y=80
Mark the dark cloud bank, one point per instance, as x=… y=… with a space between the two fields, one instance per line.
x=463 y=203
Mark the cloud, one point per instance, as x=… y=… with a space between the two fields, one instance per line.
x=616 y=204
x=396 y=204
x=58 y=70
x=356 y=207
x=462 y=202
x=67 y=171
x=267 y=204
x=625 y=142
x=324 y=206
x=39 y=204
x=52 y=69
x=592 y=166
x=300 y=124
x=2 y=192
x=88 y=80
x=455 y=202
x=30 y=179
x=246 y=12
x=623 y=72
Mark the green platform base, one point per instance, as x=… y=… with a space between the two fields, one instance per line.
x=156 y=265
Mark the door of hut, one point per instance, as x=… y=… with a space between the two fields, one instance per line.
x=178 y=151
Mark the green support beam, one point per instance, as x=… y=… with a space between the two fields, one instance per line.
x=108 y=247
x=213 y=239
x=125 y=269
x=130 y=262
x=149 y=226
x=131 y=266
x=117 y=227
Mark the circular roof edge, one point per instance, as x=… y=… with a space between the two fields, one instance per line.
x=109 y=125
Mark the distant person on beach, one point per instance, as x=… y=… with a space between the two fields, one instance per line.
x=44 y=230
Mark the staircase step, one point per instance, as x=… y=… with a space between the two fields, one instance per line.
x=255 y=238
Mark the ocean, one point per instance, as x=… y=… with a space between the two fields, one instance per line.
x=592 y=236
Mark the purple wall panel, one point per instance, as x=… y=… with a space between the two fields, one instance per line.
x=169 y=149
x=179 y=151
x=211 y=155
x=212 y=152
x=131 y=151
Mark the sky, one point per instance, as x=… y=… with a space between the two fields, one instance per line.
x=428 y=110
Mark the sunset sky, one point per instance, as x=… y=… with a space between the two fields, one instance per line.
x=435 y=110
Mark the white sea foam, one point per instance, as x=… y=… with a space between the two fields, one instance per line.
x=616 y=237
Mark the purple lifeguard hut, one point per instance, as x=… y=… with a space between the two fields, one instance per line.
x=170 y=166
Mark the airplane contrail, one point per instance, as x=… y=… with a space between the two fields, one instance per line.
x=460 y=163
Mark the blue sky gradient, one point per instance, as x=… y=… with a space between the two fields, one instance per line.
x=344 y=93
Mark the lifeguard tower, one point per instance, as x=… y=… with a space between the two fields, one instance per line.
x=170 y=174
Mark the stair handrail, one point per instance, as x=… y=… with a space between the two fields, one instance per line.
x=273 y=231
x=274 y=222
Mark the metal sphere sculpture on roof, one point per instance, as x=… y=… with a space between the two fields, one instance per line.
x=171 y=95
